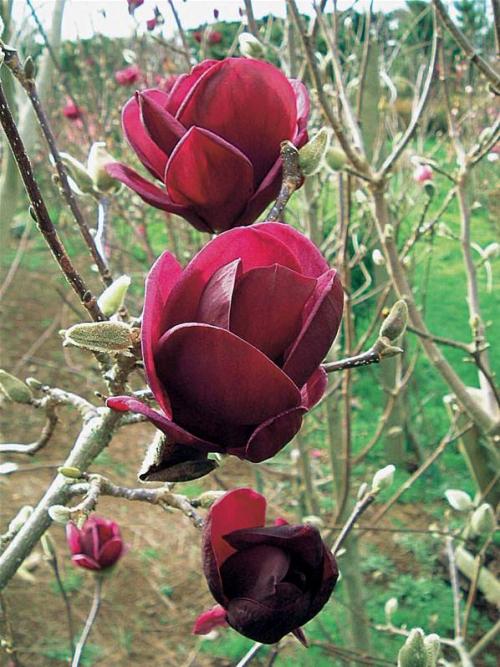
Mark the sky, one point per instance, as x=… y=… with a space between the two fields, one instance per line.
x=84 y=17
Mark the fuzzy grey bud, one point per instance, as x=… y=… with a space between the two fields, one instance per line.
x=432 y=645
x=312 y=154
x=14 y=389
x=100 y=336
x=395 y=323
x=390 y=608
x=413 y=653
x=335 y=159
x=20 y=519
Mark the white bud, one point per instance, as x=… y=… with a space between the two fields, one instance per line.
x=97 y=160
x=459 y=500
x=311 y=155
x=378 y=258
x=250 y=47
x=362 y=490
x=483 y=520
x=59 y=513
x=383 y=478
x=20 y=519
x=111 y=300
x=492 y=250
x=8 y=468
x=14 y=389
x=313 y=520
x=390 y=608
x=294 y=455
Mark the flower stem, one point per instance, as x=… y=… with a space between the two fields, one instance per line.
x=94 y=610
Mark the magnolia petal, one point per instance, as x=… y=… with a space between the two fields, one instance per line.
x=162 y=127
x=314 y=388
x=272 y=435
x=152 y=194
x=224 y=101
x=73 y=538
x=212 y=176
x=254 y=248
x=215 y=302
x=234 y=383
x=184 y=83
x=151 y=155
x=267 y=306
x=162 y=278
x=209 y=620
x=110 y=552
x=322 y=317
x=85 y=561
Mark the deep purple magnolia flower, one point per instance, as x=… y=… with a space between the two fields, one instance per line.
x=269 y=581
x=214 y=141
x=232 y=344
x=97 y=545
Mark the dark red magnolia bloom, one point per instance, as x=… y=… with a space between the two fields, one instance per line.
x=71 y=110
x=133 y=4
x=214 y=141
x=269 y=580
x=213 y=37
x=97 y=545
x=128 y=76
x=232 y=344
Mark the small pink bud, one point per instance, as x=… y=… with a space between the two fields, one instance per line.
x=423 y=173
x=210 y=619
x=216 y=14
x=71 y=111
x=97 y=545
x=128 y=76
x=316 y=454
x=151 y=24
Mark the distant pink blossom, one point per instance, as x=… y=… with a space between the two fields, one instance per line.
x=423 y=173
x=71 y=110
x=213 y=37
x=151 y=23
x=133 y=4
x=316 y=453
x=128 y=76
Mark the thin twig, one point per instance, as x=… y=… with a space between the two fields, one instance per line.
x=94 y=610
x=358 y=510
x=43 y=219
x=248 y=657
x=291 y=180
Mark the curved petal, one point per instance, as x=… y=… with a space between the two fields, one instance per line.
x=314 y=388
x=236 y=509
x=251 y=245
x=151 y=155
x=267 y=192
x=212 y=176
x=215 y=302
x=73 y=538
x=267 y=306
x=110 y=552
x=209 y=620
x=322 y=317
x=176 y=434
x=85 y=561
x=234 y=383
x=162 y=278
x=152 y=194
x=311 y=261
x=162 y=127
x=254 y=572
x=303 y=108
x=272 y=435
x=249 y=103
x=184 y=83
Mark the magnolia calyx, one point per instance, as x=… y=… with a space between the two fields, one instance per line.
x=101 y=336
x=14 y=389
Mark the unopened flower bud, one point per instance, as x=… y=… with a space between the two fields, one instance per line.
x=59 y=513
x=14 y=389
x=383 y=478
x=378 y=258
x=313 y=520
x=29 y=68
x=390 y=608
x=48 y=547
x=34 y=384
x=96 y=163
x=429 y=189
x=492 y=250
x=111 y=300
x=335 y=159
x=362 y=490
x=250 y=47
x=100 y=336
x=459 y=500
x=395 y=323
x=8 y=468
x=384 y=348
x=432 y=645
x=20 y=519
x=312 y=154
x=82 y=181
x=483 y=520
x=423 y=173
x=70 y=471
x=413 y=653
x=208 y=498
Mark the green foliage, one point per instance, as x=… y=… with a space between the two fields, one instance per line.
x=72 y=581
